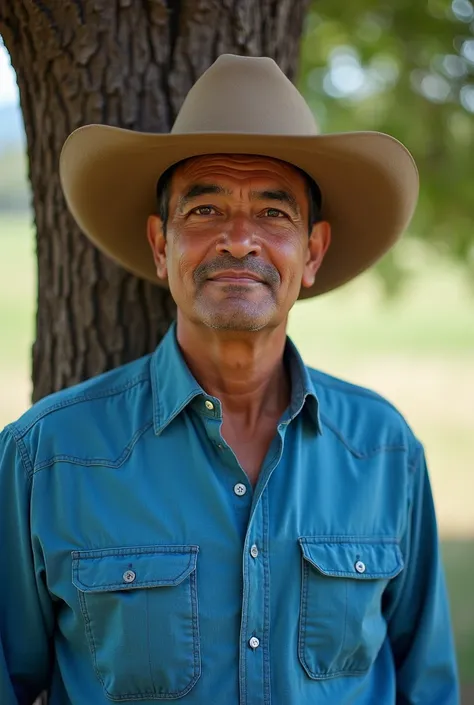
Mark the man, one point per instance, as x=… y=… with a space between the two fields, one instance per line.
x=216 y=522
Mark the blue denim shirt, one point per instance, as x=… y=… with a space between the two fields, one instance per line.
x=138 y=563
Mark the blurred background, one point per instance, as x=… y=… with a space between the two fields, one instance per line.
x=406 y=329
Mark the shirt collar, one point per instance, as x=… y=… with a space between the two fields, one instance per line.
x=173 y=384
x=174 y=387
x=303 y=393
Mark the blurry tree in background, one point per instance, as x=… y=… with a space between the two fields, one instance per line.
x=406 y=68
x=128 y=64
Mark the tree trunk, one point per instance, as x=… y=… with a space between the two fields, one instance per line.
x=128 y=63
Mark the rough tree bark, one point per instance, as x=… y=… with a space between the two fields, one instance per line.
x=128 y=63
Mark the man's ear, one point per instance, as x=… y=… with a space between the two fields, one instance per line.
x=156 y=238
x=318 y=244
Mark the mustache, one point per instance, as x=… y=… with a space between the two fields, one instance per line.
x=266 y=272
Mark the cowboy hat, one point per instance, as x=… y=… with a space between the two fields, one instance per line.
x=242 y=105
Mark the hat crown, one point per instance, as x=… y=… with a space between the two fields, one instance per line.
x=249 y=95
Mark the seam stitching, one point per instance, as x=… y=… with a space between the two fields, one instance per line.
x=358 y=453
x=90 y=462
x=112 y=391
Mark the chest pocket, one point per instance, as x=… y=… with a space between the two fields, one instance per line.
x=141 y=619
x=342 y=627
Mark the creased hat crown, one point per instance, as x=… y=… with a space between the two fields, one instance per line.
x=239 y=94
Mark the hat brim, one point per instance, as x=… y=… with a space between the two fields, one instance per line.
x=368 y=180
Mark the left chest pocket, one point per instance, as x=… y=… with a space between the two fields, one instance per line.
x=342 y=627
x=141 y=619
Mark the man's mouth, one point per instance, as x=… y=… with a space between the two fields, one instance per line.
x=236 y=277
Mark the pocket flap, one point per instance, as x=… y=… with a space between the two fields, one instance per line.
x=363 y=559
x=131 y=568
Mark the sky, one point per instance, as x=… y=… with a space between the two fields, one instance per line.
x=8 y=87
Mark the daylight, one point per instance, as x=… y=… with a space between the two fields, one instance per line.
x=8 y=87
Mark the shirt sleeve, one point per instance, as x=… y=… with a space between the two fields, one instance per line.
x=419 y=625
x=26 y=613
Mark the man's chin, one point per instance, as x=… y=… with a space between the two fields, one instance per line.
x=236 y=324
x=237 y=315
x=244 y=321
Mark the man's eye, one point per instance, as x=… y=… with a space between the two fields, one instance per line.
x=203 y=210
x=274 y=213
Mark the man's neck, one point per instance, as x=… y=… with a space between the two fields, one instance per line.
x=245 y=371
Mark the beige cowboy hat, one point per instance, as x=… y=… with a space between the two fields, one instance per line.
x=242 y=105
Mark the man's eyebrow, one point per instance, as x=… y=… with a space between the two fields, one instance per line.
x=277 y=195
x=196 y=190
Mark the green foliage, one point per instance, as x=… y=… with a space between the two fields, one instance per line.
x=406 y=68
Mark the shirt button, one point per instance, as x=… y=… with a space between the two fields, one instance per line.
x=254 y=643
x=254 y=551
x=209 y=405
x=240 y=489
x=129 y=576
x=360 y=567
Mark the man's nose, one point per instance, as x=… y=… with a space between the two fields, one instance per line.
x=239 y=238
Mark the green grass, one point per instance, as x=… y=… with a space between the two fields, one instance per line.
x=17 y=291
x=458 y=559
x=434 y=314
x=417 y=350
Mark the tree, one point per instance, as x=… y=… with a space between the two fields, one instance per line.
x=129 y=64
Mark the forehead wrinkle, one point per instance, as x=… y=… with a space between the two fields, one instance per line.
x=236 y=166
x=207 y=170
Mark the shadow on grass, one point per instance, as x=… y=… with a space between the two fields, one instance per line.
x=458 y=557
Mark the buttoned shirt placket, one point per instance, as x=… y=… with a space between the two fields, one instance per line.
x=254 y=663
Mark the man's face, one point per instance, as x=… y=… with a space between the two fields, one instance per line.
x=237 y=248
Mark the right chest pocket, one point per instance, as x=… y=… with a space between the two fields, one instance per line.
x=141 y=619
